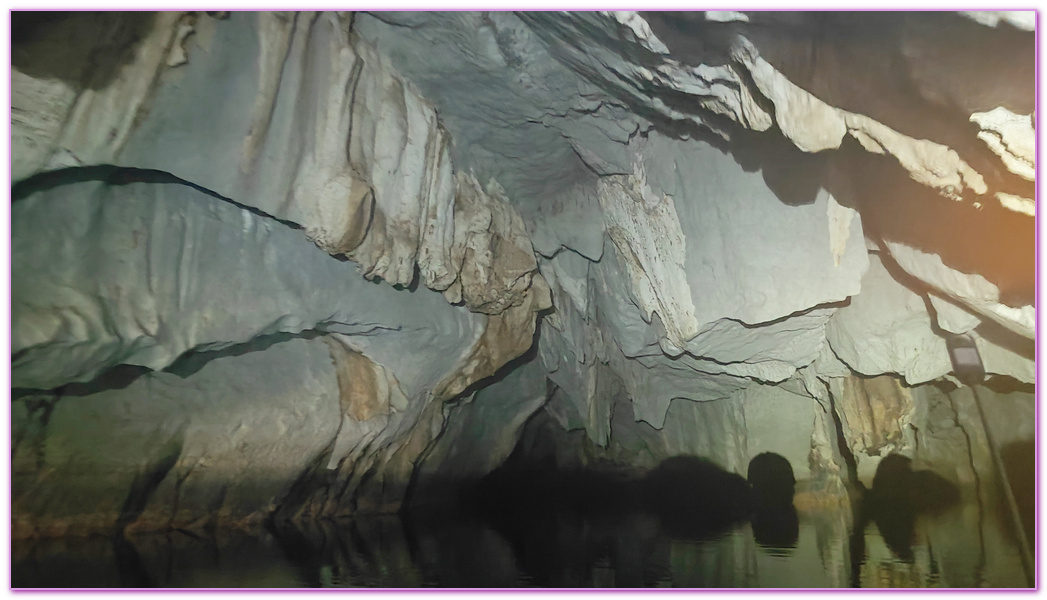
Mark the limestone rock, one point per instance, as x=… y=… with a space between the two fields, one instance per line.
x=933 y=165
x=724 y=16
x=492 y=253
x=1012 y=137
x=888 y=329
x=373 y=177
x=771 y=352
x=38 y=110
x=874 y=413
x=505 y=336
x=140 y=273
x=62 y=102
x=646 y=233
x=1017 y=203
x=952 y=318
x=398 y=145
x=738 y=229
x=646 y=78
x=366 y=389
x=649 y=232
x=972 y=290
x=810 y=123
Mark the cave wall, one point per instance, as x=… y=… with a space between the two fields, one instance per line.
x=611 y=238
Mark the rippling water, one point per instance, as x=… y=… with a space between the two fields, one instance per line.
x=961 y=547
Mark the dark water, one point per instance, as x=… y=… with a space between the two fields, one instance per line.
x=964 y=546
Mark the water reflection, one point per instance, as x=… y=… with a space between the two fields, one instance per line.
x=775 y=524
x=695 y=499
x=899 y=495
x=599 y=531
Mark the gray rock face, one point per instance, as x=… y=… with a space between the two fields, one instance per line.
x=711 y=243
x=222 y=445
x=139 y=274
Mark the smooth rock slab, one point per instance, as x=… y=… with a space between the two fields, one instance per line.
x=887 y=329
x=138 y=274
x=750 y=256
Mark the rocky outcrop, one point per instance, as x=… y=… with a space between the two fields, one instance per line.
x=119 y=266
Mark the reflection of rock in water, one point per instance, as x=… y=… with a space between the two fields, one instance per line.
x=349 y=553
x=582 y=528
x=1019 y=460
x=898 y=495
x=776 y=528
x=775 y=523
x=696 y=499
x=569 y=528
x=896 y=484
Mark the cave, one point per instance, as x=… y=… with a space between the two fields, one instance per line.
x=474 y=299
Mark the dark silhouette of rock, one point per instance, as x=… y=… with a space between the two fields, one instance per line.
x=775 y=523
x=896 y=485
x=772 y=480
x=898 y=495
x=776 y=528
x=695 y=498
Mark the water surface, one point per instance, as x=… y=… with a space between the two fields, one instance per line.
x=964 y=546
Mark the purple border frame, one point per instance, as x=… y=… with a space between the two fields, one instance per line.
x=1037 y=445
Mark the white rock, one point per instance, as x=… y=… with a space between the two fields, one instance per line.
x=953 y=318
x=971 y=290
x=931 y=164
x=809 y=122
x=1021 y=19
x=725 y=16
x=638 y=71
x=92 y=125
x=1012 y=137
x=1019 y=204
x=646 y=233
x=39 y=108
